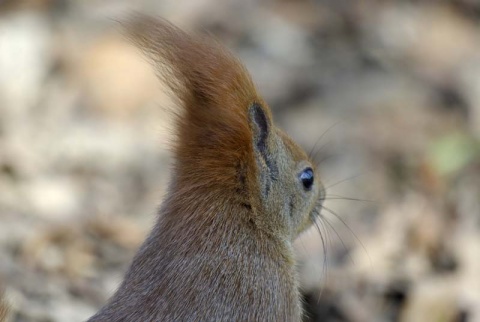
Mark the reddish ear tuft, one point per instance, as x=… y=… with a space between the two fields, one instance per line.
x=214 y=139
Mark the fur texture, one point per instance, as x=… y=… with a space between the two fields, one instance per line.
x=4 y=307
x=221 y=249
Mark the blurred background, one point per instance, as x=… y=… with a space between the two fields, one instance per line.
x=385 y=93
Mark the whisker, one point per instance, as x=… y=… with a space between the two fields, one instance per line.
x=303 y=245
x=324 y=266
x=324 y=245
x=346 y=179
x=322 y=135
x=324 y=145
x=339 y=238
x=350 y=229
x=327 y=233
x=323 y=236
x=334 y=197
x=330 y=156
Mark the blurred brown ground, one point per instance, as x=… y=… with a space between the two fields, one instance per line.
x=386 y=93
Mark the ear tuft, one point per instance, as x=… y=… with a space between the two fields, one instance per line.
x=218 y=128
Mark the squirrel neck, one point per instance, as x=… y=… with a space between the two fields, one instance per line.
x=205 y=260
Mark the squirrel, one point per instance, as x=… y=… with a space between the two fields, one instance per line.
x=240 y=193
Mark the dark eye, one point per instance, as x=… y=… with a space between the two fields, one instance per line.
x=307 y=178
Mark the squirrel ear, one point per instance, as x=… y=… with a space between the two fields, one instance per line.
x=260 y=125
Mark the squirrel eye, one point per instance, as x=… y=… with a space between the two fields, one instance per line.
x=307 y=178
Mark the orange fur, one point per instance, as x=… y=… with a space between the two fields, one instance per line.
x=213 y=139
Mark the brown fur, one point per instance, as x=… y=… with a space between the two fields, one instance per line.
x=4 y=307
x=222 y=247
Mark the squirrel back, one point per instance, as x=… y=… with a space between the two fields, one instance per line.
x=241 y=191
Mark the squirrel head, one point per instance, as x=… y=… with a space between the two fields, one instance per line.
x=228 y=153
x=289 y=191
